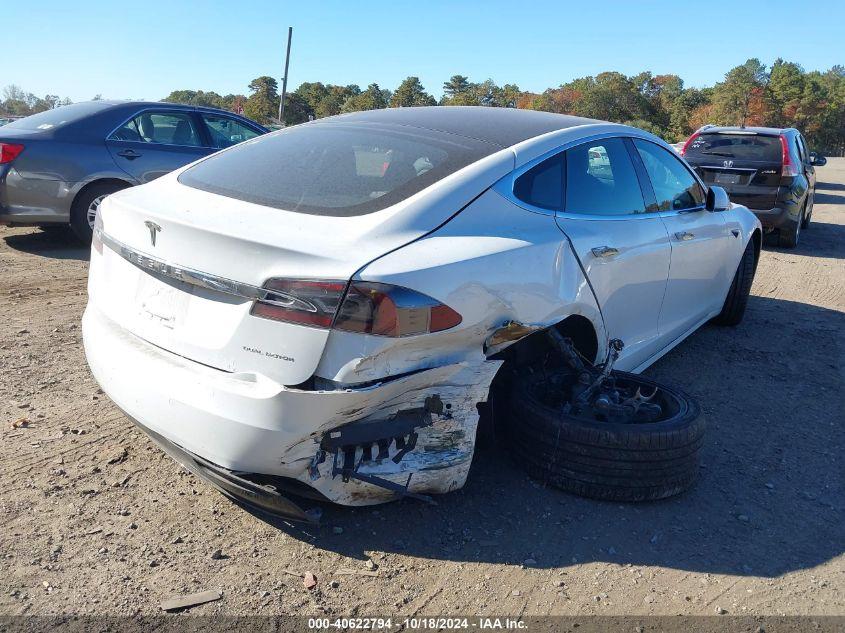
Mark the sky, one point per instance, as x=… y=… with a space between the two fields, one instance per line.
x=146 y=49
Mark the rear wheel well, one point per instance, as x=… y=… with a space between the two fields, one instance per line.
x=81 y=220
x=532 y=352
x=535 y=348
x=116 y=182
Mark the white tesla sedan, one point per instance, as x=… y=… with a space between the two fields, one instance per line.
x=319 y=311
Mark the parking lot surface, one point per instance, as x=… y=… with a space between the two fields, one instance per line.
x=97 y=520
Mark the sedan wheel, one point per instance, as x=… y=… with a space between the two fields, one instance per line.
x=86 y=206
x=91 y=215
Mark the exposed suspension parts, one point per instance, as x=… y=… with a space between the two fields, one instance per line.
x=596 y=392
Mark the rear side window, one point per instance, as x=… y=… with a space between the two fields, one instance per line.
x=335 y=169
x=743 y=146
x=226 y=131
x=168 y=128
x=58 y=117
x=600 y=180
x=542 y=185
x=674 y=186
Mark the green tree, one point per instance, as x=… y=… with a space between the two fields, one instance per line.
x=334 y=99
x=458 y=91
x=508 y=96
x=263 y=104
x=735 y=97
x=14 y=101
x=613 y=97
x=313 y=93
x=297 y=109
x=411 y=93
x=373 y=98
x=198 y=98
x=828 y=135
x=783 y=92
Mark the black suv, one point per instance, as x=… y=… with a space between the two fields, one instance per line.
x=769 y=170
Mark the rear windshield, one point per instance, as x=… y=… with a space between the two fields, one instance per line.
x=335 y=169
x=57 y=117
x=747 y=146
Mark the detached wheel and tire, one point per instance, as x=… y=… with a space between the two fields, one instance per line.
x=600 y=459
x=83 y=213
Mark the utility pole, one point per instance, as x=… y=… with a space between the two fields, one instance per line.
x=285 y=80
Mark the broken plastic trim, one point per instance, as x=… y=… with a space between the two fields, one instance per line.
x=510 y=332
x=343 y=443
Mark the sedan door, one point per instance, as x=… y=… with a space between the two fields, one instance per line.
x=155 y=142
x=698 y=274
x=623 y=248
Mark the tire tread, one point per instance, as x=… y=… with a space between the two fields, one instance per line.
x=615 y=462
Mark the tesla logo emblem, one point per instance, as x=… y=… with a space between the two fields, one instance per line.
x=154 y=229
x=728 y=163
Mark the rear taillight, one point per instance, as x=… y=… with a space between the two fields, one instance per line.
x=789 y=167
x=9 y=152
x=301 y=301
x=386 y=310
x=365 y=307
x=688 y=143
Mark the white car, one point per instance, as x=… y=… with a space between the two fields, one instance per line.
x=320 y=310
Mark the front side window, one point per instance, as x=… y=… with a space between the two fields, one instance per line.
x=600 y=180
x=226 y=132
x=168 y=128
x=335 y=169
x=542 y=185
x=674 y=186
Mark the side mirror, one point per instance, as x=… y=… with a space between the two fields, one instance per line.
x=717 y=199
x=816 y=160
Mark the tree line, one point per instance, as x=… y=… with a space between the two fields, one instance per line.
x=752 y=94
x=16 y=102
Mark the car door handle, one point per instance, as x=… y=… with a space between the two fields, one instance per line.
x=129 y=154
x=684 y=236
x=604 y=251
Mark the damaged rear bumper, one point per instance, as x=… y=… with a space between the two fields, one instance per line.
x=410 y=435
x=264 y=497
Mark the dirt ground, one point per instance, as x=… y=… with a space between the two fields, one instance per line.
x=97 y=520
